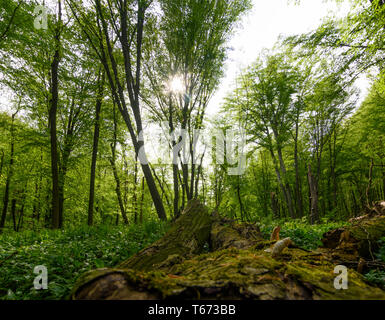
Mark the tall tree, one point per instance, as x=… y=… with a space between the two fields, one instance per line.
x=54 y=98
x=265 y=102
x=98 y=105
x=183 y=73
x=10 y=174
x=124 y=22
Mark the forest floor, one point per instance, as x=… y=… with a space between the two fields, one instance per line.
x=68 y=254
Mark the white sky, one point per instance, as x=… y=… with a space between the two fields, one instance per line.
x=261 y=29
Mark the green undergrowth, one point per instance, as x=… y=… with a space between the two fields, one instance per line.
x=378 y=276
x=66 y=255
x=303 y=234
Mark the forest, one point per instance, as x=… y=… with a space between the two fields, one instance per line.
x=117 y=183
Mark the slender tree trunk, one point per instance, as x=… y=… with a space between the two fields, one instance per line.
x=175 y=172
x=368 y=198
x=298 y=191
x=281 y=183
x=9 y=176
x=21 y=213
x=240 y=199
x=314 y=214
x=53 y=129
x=13 y=214
x=164 y=193
x=274 y=205
x=119 y=193
x=141 y=203
x=175 y=168
x=185 y=180
x=199 y=174
x=333 y=176
x=2 y=163
x=95 y=146
x=116 y=175
x=383 y=184
x=62 y=178
x=135 y=197
x=287 y=187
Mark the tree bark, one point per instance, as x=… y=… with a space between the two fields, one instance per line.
x=367 y=193
x=13 y=214
x=141 y=203
x=2 y=163
x=95 y=145
x=9 y=176
x=313 y=190
x=52 y=126
x=298 y=191
x=274 y=205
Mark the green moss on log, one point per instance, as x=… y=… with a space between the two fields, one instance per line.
x=187 y=237
x=357 y=240
x=226 y=233
x=232 y=274
x=239 y=268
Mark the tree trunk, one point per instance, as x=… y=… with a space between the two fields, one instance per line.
x=160 y=183
x=314 y=215
x=141 y=203
x=175 y=173
x=9 y=176
x=133 y=86
x=368 y=198
x=283 y=186
x=135 y=197
x=243 y=213
x=119 y=192
x=274 y=205
x=52 y=126
x=298 y=191
x=2 y=163
x=95 y=151
x=13 y=214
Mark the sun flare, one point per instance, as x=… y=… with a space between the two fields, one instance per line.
x=176 y=85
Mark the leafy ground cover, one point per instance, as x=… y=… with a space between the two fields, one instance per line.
x=66 y=255
x=303 y=234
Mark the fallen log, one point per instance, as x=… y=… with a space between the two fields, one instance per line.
x=240 y=265
x=226 y=233
x=187 y=237
x=360 y=239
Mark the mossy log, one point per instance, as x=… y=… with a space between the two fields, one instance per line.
x=226 y=233
x=240 y=265
x=187 y=237
x=360 y=239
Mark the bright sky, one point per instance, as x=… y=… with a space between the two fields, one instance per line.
x=261 y=29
